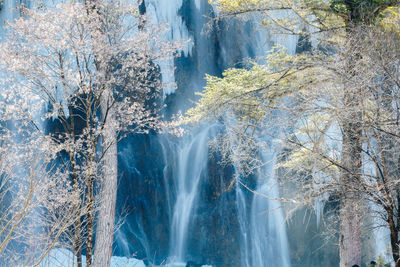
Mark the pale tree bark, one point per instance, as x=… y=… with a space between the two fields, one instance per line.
x=108 y=192
x=350 y=207
x=350 y=231
x=350 y=215
x=108 y=184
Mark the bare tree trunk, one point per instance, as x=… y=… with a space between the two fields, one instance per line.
x=350 y=217
x=90 y=222
x=79 y=255
x=350 y=209
x=394 y=238
x=77 y=230
x=77 y=239
x=90 y=207
x=108 y=184
x=350 y=232
x=108 y=195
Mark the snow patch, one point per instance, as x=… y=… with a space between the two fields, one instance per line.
x=60 y=257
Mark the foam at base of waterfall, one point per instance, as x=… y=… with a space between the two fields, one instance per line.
x=60 y=257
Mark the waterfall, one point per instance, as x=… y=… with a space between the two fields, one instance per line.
x=191 y=168
x=267 y=223
x=260 y=224
x=263 y=226
x=175 y=201
x=183 y=208
x=244 y=227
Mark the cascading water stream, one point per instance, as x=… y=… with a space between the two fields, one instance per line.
x=244 y=226
x=267 y=224
x=191 y=167
x=190 y=156
x=263 y=227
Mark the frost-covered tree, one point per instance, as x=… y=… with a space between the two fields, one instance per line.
x=30 y=189
x=326 y=91
x=93 y=68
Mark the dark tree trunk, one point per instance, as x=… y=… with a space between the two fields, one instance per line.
x=394 y=238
